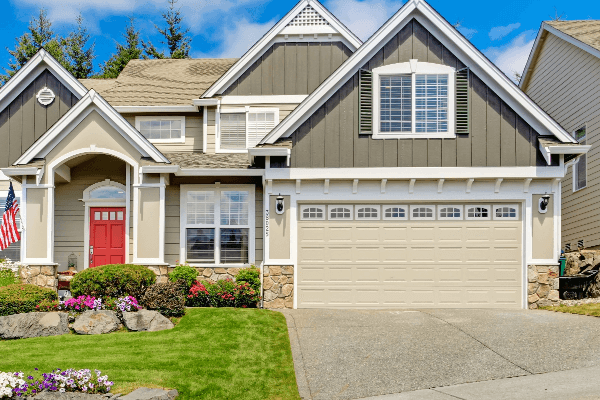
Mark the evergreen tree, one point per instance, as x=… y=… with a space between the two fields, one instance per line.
x=40 y=35
x=176 y=38
x=80 y=59
x=131 y=50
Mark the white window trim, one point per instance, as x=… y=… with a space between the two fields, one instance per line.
x=468 y=206
x=184 y=189
x=375 y=206
x=460 y=207
x=247 y=110
x=432 y=207
x=331 y=207
x=575 y=177
x=386 y=206
x=305 y=206
x=413 y=67
x=139 y=119
x=515 y=206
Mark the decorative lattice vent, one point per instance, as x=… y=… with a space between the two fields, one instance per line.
x=45 y=96
x=308 y=17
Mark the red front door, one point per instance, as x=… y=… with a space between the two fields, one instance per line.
x=107 y=236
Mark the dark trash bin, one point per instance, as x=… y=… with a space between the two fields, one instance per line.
x=575 y=287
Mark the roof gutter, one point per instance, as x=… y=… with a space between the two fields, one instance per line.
x=178 y=171
x=205 y=102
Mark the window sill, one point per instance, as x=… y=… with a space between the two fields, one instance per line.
x=447 y=135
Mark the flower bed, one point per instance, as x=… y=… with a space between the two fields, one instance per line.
x=70 y=380
x=224 y=293
x=86 y=303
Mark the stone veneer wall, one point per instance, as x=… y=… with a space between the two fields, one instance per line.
x=278 y=286
x=542 y=286
x=40 y=275
x=204 y=274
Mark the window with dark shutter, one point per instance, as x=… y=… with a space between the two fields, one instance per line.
x=463 y=101
x=365 y=94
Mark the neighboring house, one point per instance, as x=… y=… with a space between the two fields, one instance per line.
x=405 y=171
x=562 y=75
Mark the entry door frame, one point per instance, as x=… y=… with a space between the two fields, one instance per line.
x=111 y=203
x=109 y=209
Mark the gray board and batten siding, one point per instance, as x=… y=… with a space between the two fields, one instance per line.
x=25 y=120
x=290 y=69
x=498 y=137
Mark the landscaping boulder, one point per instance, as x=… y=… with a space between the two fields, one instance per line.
x=151 y=394
x=96 y=322
x=146 y=320
x=35 y=324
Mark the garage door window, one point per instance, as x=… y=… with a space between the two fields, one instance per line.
x=422 y=213
x=478 y=212
x=340 y=212
x=508 y=212
x=450 y=212
x=367 y=213
x=395 y=213
x=312 y=213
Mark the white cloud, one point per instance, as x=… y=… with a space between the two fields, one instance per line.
x=467 y=32
x=499 y=32
x=511 y=58
x=363 y=17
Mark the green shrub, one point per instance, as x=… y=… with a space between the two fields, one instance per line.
x=18 y=298
x=223 y=293
x=185 y=273
x=166 y=298
x=7 y=277
x=114 y=280
x=250 y=275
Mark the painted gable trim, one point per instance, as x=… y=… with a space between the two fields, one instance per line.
x=449 y=37
x=31 y=70
x=68 y=122
x=537 y=47
x=263 y=44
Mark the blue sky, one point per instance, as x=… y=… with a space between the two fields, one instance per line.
x=504 y=30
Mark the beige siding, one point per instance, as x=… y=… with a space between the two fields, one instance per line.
x=25 y=120
x=290 y=68
x=193 y=133
x=148 y=229
x=279 y=230
x=37 y=223
x=543 y=231
x=498 y=137
x=565 y=83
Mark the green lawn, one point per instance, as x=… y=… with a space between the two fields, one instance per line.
x=213 y=353
x=584 y=309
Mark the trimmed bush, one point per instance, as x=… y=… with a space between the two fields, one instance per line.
x=185 y=273
x=224 y=293
x=113 y=280
x=166 y=298
x=250 y=275
x=18 y=298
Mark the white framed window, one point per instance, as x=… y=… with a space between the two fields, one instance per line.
x=163 y=129
x=12 y=252
x=367 y=212
x=450 y=212
x=312 y=212
x=217 y=224
x=506 y=211
x=478 y=212
x=413 y=99
x=421 y=212
x=395 y=212
x=580 y=167
x=242 y=128
x=340 y=212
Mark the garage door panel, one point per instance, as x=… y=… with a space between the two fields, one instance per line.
x=394 y=234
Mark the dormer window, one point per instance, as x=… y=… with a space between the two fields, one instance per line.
x=413 y=99
x=241 y=129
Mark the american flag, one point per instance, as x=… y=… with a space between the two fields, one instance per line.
x=9 y=233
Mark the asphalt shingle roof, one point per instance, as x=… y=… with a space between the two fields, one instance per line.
x=586 y=31
x=161 y=82
x=209 y=161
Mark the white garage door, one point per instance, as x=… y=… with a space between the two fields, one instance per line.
x=382 y=256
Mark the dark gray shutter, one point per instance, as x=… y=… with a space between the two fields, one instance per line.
x=365 y=101
x=463 y=102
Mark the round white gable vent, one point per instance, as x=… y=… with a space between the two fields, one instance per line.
x=45 y=96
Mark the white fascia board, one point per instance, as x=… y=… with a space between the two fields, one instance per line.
x=269 y=151
x=547 y=151
x=272 y=99
x=40 y=61
x=450 y=38
x=263 y=44
x=160 y=169
x=65 y=125
x=532 y=54
x=2 y=176
x=155 y=109
x=219 y=172
x=205 y=102
x=425 y=173
x=20 y=171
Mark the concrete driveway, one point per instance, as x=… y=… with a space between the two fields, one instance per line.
x=351 y=354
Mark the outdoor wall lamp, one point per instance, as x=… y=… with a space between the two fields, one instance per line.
x=279 y=204
x=543 y=205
